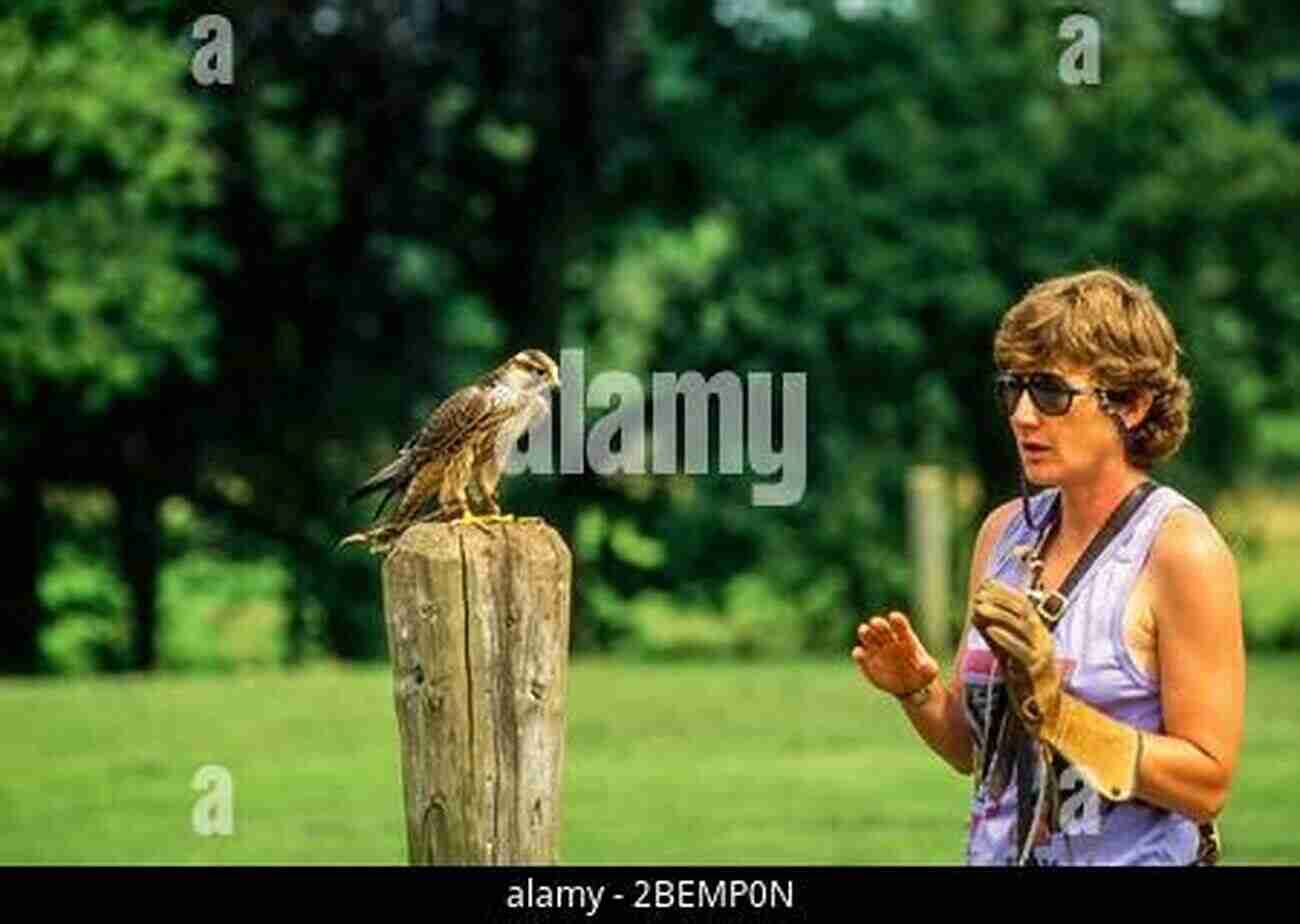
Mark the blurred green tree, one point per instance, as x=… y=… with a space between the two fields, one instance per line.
x=105 y=169
x=406 y=192
x=885 y=187
x=248 y=295
x=396 y=194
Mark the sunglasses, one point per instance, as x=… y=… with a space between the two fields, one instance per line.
x=1050 y=394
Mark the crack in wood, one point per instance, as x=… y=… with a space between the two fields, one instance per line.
x=470 y=704
x=506 y=649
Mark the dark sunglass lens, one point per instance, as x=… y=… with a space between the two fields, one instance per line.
x=1051 y=396
x=1008 y=390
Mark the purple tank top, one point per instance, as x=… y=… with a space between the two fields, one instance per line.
x=1097 y=667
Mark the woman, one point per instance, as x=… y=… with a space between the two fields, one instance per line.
x=1101 y=720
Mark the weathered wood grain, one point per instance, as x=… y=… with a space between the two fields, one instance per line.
x=478 y=634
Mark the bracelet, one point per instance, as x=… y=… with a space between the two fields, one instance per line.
x=917 y=696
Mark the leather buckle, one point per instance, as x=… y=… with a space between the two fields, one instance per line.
x=1049 y=604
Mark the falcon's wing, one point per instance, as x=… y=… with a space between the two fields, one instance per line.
x=454 y=421
x=450 y=424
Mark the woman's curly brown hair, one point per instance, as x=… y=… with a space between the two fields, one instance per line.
x=1112 y=327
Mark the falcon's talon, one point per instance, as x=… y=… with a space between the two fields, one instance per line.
x=378 y=541
x=482 y=521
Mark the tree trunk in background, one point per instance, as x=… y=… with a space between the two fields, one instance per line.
x=929 y=534
x=571 y=62
x=20 y=605
x=139 y=555
x=296 y=630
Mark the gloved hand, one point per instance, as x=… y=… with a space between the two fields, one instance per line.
x=1105 y=752
x=1024 y=648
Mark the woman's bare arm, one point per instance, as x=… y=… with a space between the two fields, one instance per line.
x=1201 y=654
x=940 y=721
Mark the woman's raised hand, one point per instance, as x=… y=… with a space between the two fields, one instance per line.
x=891 y=657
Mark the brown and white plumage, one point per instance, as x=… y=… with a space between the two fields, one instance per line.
x=463 y=447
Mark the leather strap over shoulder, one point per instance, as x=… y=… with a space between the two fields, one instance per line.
x=1051 y=604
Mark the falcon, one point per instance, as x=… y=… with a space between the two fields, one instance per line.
x=461 y=450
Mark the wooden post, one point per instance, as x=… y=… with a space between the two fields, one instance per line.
x=929 y=537
x=478 y=634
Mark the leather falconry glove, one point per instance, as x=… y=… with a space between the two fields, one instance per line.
x=1105 y=751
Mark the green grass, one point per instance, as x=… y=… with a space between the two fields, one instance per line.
x=687 y=763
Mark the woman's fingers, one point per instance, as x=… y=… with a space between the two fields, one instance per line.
x=874 y=635
x=906 y=641
x=888 y=636
x=892 y=633
x=860 y=658
x=869 y=634
x=902 y=631
x=898 y=628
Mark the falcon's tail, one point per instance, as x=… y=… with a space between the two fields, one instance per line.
x=387 y=477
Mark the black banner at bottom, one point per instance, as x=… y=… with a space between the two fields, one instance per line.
x=585 y=893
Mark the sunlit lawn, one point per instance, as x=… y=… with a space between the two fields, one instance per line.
x=692 y=763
